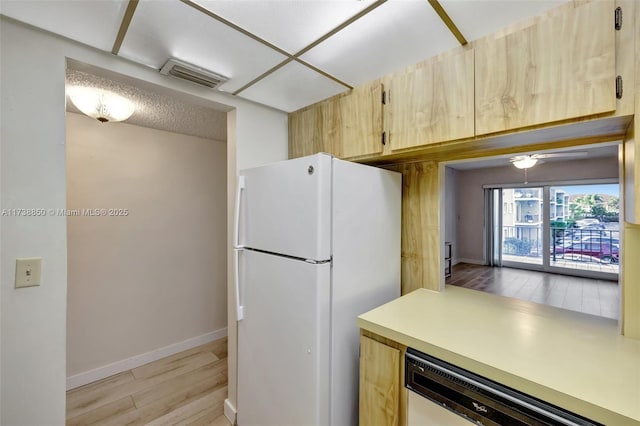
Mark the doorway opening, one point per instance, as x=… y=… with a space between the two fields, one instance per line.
x=146 y=221
x=551 y=236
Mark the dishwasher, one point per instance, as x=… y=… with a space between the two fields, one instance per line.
x=442 y=394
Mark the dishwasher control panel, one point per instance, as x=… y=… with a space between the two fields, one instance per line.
x=478 y=399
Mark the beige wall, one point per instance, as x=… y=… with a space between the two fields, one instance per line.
x=470 y=201
x=157 y=276
x=32 y=163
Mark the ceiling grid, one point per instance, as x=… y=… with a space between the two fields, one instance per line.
x=124 y=26
x=286 y=54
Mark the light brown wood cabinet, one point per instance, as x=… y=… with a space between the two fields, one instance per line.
x=360 y=124
x=380 y=383
x=311 y=130
x=304 y=138
x=347 y=125
x=431 y=101
x=631 y=169
x=560 y=68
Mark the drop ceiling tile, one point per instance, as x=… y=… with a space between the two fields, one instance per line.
x=160 y=30
x=290 y=25
x=478 y=18
x=292 y=87
x=397 y=34
x=95 y=23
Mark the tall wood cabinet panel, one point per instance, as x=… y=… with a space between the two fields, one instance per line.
x=432 y=101
x=560 y=68
x=379 y=383
x=632 y=144
x=631 y=169
x=361 y=120
x=421 y=263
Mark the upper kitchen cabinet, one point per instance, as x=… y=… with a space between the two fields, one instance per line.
x=360 y=124
x=315 y=129
x=432 y=101
x=304 y=134
x=347 y=125
x=561 y=67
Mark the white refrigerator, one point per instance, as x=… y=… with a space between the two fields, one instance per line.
x=317 y=243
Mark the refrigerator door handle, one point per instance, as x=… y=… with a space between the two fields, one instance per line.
x=236 y=223
x=236 y=267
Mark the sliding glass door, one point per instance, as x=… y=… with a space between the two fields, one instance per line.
x=522 y=225
x=570 y=229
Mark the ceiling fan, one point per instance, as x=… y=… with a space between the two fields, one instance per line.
x=529 y=160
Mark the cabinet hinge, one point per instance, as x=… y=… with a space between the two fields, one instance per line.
x=384 y=97
x=384 y=138
x=619 y=87
x=618 y=18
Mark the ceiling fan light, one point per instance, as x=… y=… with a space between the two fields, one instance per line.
x=102 y=105
x=525 y=162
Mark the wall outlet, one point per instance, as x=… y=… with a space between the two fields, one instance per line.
x=28 y=272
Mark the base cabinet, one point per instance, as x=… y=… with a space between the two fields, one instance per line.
x=380 y=383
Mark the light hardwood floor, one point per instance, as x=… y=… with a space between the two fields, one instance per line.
x=187 y=388
x=587 y=295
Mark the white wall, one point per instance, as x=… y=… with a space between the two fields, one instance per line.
x=32 y=161
x=156 y=276
x=258 y=148
x=470 y=201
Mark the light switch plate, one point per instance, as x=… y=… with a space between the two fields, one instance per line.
x=28 y=272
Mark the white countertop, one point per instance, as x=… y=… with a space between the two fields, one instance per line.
x=579 y=362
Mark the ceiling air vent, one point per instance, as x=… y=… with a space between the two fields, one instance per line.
x=190 y=72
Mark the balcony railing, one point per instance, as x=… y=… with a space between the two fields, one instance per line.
x=572 y=248
x=528 y=218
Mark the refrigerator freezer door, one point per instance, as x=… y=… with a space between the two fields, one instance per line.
x=286 y=208
x=283 y=341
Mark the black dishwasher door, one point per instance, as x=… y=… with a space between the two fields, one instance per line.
x=480 y=400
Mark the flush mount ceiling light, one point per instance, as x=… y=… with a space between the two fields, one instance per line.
x=102 y=105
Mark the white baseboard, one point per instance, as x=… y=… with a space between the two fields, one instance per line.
x=230 y=411
x=138 y=360
x=472 y=261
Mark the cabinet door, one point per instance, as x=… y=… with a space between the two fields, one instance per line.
x=331 y=127
x=305 y=132
x=379 y=383
x=432 y=102
x=360 y=124
x=315 y=129
x=560 y=68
